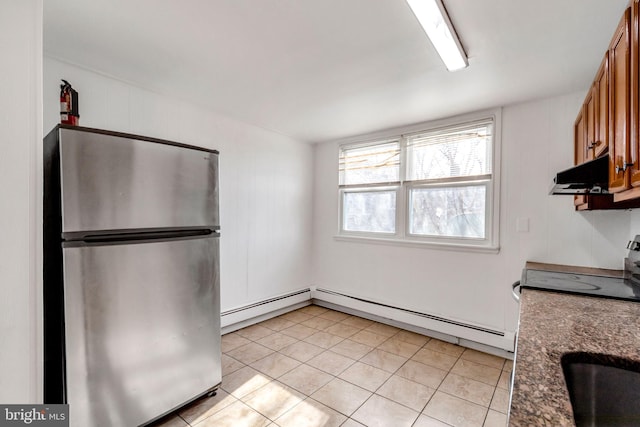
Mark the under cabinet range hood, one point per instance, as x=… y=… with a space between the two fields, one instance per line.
x=591 y=178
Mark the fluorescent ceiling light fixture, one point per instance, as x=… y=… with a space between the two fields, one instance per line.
x=435 y=22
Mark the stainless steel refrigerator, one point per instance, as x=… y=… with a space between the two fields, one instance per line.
x=131 y=275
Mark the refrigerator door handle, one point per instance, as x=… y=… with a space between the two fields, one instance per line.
x=146 y=235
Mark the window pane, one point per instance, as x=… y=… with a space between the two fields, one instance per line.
x=448 y=212
x=373 y=211
x=455 y=152
x=371 y=164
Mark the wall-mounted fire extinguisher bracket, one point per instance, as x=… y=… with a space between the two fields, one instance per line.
x=69 y=111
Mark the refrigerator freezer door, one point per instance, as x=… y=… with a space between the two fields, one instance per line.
x=117 y=183
x=142 y=328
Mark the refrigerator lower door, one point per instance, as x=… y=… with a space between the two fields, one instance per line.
x=142 y=328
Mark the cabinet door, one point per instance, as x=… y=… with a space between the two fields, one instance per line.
x=580 y=138
x=619 y=105
x=590 y=124
x=580 y=147
x=601 y=95
x=634 y=174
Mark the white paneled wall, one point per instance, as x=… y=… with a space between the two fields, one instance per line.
x=536 y=143
x=20 y=217
x=265 y=178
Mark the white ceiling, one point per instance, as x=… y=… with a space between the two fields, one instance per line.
x=324 y=69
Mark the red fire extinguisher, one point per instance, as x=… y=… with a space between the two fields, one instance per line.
x=69 y=112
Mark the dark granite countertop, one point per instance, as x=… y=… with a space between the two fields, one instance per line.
x=552 y=324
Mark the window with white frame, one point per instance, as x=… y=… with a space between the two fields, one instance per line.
x=436 y=186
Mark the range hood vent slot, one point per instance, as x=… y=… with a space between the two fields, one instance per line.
x=590 y=178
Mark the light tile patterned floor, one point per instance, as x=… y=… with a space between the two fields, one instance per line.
x=315 y=367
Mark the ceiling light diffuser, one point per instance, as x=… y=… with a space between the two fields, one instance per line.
x=434 y=20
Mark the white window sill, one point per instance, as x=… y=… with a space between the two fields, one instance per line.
x=417 y=244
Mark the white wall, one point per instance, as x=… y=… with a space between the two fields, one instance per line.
x=265 y=178
x=475 y=287
x=20 y=218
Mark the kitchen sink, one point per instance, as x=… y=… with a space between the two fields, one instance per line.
x=604 y=389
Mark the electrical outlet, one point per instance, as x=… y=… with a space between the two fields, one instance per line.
x=522 y=225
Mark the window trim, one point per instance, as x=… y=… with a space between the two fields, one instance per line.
x=402 y=236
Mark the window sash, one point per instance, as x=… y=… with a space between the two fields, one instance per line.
x=452 y=149
x=344 y=194
x=380 y=166
x=486 y=184
x=443 y=131
x=486 y=128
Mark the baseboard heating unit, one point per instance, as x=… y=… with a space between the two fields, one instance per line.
x=240 y=317
x=455 y=331
x=452 y=330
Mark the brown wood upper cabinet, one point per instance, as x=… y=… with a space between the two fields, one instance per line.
x=590 y=124
x=620 y=105
x=580 y=151
x=633 y=170
x=600 y=91
x=591 y=131
x=610 y=118
x=595 y=112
